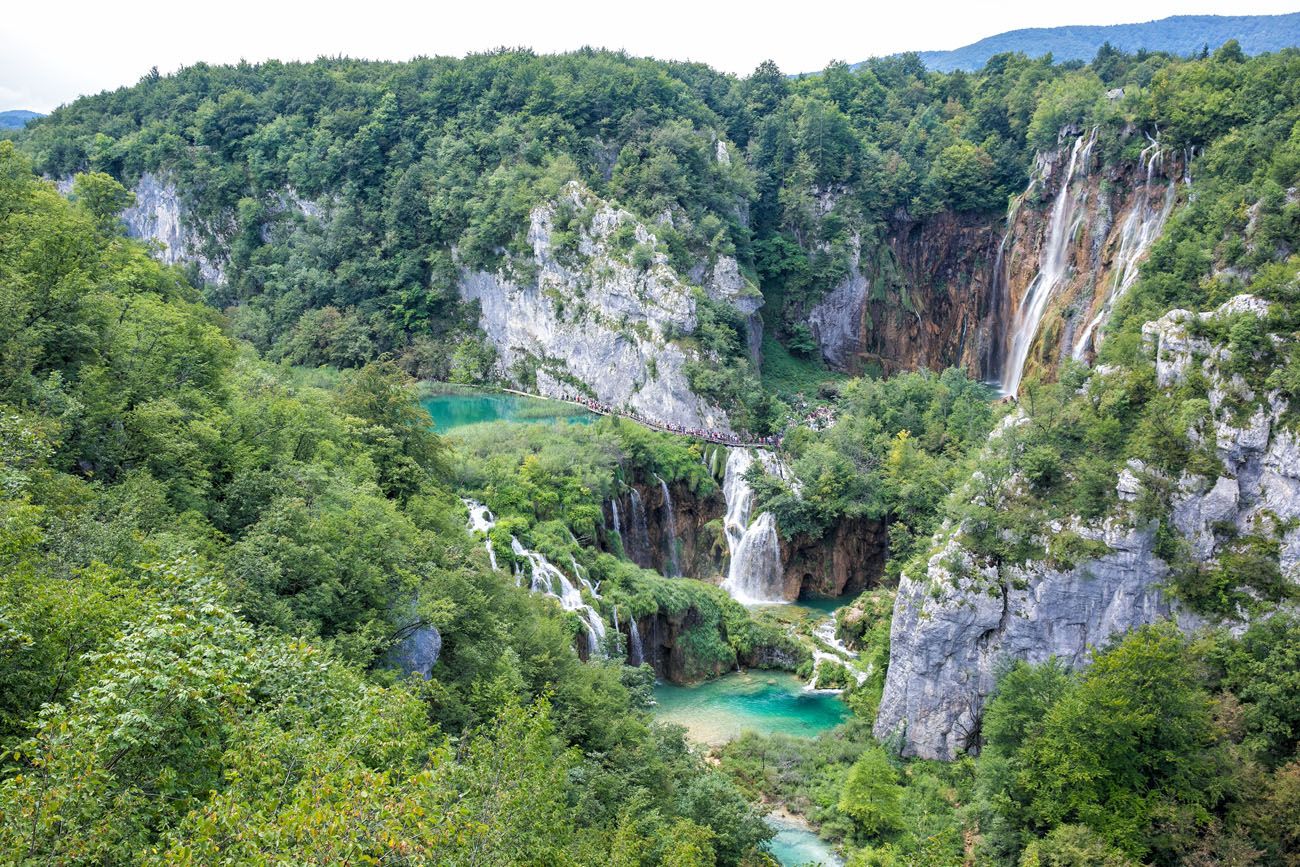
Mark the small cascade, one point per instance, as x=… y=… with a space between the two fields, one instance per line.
x=550 y=581
x=755 y=574
x=992 y=358
x=635 y=649
x=673 y=568
x=1053 y=266
x=545 y=578
x=482 y=521
x=639 y=533
x=839 y=653
x=1141 y=228
x=618 y=521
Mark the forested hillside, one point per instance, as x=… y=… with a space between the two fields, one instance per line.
x=1028 y=337
x=1185 y=35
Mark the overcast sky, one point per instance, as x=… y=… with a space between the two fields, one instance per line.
x=52 y=52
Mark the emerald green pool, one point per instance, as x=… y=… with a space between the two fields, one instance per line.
x=450 y=411
x=794 y=845
x=765 y=702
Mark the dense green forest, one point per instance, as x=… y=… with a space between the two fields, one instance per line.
x=223 y=508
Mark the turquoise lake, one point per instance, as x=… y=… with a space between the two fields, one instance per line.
x=795 y=846
x=766 y=702
x=450 y=411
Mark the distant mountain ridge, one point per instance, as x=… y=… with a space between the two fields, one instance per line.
x=1180 y=34
x=17 y=118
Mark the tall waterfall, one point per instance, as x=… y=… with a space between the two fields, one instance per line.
x=1052 y=266
x=545 y=578
x=1141 y=228
x=673 y=568
x=755 y=574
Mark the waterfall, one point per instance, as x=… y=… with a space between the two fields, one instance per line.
x=545 y=578
x=992 y=360
x=482 y=521
x=618 y=523
x=640 y=534
x=755 y=573
x=673 y=568
x=1141 y=228
x=838 y=653
x=1052 y=267
x=550 y=581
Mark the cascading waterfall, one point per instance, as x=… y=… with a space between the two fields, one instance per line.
x=545 y=577
x=838 y=653
x=1052 y=267
x=1141 y=228
x=673 y=568
x=754 y=574
x=482 y=521
x=635 y=649
x=618 y=523
x=550 y=581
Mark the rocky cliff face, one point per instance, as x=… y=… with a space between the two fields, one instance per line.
x=956 y=625
x=916 y=300
x=1073 y=245
x=594 y=320
x=850 y=557
x=159 y=215
x=951 y=289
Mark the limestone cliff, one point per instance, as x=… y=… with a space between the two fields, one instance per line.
x=594 y=319
x=954 y=289
x=956 y=625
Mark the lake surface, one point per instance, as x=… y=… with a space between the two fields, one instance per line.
x=766 y=702
x=450 y=411
x=794 y=845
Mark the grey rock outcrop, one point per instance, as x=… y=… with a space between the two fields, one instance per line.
x=416 y=651
x=836 y=320
x=593 y=317
x=158 y=215
x=957 y=625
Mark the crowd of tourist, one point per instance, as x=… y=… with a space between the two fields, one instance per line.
x=714 y=436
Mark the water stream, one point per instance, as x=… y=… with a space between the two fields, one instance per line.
x=1140 y=229
x=673 y=568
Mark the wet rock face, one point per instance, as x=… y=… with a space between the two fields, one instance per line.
x=917 y=300
x=593 y=316
x=850 y=557
x=699 y=552
x=956 y=625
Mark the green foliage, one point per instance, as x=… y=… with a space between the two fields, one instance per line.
x=872 y=795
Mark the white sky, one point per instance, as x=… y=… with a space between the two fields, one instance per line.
x=51 y=52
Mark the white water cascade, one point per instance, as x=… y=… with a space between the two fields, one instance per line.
x=1052 y=267
x=482 y=521
x=674 y=566
x=839 y=653
x=755 y=574
x=546 y=578
x=1141 y=228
